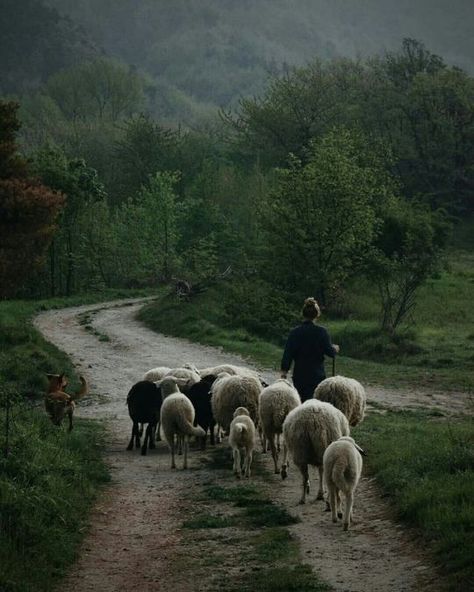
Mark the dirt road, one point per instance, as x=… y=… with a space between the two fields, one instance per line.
x=135 y=538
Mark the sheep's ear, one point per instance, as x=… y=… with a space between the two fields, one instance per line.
x=360 y=449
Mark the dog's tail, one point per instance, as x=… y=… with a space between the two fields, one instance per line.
x=83 y=391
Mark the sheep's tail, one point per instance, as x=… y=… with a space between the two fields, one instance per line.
x=187 y=428
x=83 y=391
x=240 y=428
x=342 y=474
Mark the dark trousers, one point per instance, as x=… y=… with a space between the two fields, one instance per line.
x=306 y=389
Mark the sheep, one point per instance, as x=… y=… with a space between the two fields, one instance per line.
x=144 y=404
x=177 y=416
x=200 y=396
x=185 y=378
x=230 y=392
x=276 y=401
x=342 y=462
x=307 y=431
x=156 y=374
x=232 y=370
x=346 y=394
x=58 y=403
x=242 y=437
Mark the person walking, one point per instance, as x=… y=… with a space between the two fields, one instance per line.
x=306 y=346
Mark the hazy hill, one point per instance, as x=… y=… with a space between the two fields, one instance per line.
x=215 y=50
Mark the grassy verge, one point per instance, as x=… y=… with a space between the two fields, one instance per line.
x=50 y=478
x=426 y=467
x=47 y=485
x=260 y=551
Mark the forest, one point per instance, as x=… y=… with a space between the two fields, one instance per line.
x=232 y=159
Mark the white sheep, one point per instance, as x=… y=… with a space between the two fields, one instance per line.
x=230 y=392
x=230 y=369
x=177 y=417
x=307 y=431
x=156 y=374
x=242 y=437
x=185 y=377
x=342 y=462
x=346 y=394
x=276 y=401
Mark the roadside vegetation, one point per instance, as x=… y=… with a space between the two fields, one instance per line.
x=49 y=478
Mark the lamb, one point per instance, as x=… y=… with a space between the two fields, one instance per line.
x=230 y=392
x=156 y=374
x=276 y=401
x=342 y=462
x=177 y=417
x=200 y=396
x=307 y=431
x=144 y=405
x=242 y=437
x=346 y=394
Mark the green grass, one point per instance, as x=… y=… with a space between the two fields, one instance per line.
x=426 y=466
x=50 y=478
x=270 y=557
x=47 y=485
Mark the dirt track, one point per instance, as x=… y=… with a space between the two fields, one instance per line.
x=135 y=537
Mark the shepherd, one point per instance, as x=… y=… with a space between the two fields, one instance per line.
x=305 y=348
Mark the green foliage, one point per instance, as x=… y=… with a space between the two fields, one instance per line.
x=147 y=231
x=406 y=252
x=426 y=467
x=322 y=217
x=47 y=484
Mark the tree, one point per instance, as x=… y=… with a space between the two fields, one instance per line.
x=147 y=232
x=406 y=252
x=82 y=188
x=322 y=216
x=28 y=211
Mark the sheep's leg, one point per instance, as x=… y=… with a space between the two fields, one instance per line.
x=333 y=501
x=157 y=436
x=320 y=495
x=284 y=466
x=305 y=475
x=185 y=440
x=148 y=431
x=172 y=441
x=339 y=505
x=212 y=435
x=348 y=509
x=237 y=466
x=180 y=444
x=152 y=427
x=274 y=450
x=140 y=430
x=134 y=435
x=248 y=460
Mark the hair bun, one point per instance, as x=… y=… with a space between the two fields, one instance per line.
x=311 y=308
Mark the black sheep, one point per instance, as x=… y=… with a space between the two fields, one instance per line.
x=144 y=406
x=200 y=396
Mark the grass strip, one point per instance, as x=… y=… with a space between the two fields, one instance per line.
x=426 y=467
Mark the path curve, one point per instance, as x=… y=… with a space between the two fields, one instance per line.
x=134 y=539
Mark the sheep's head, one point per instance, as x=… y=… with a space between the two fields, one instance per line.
x=168 y=386
x=352 y=441
x=241 y=411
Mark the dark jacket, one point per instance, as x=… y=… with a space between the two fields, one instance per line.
x=306 y=346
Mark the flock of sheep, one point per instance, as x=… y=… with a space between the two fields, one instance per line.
x=189 y=402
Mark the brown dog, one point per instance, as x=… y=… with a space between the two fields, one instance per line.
x=57 y=403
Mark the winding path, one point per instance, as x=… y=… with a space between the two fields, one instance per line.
x=134 y=540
